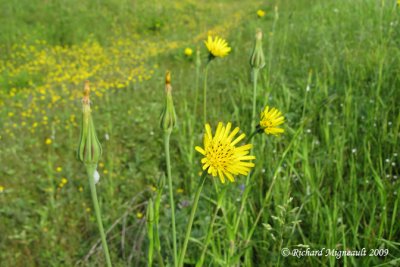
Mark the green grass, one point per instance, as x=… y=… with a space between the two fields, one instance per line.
x=331 y=181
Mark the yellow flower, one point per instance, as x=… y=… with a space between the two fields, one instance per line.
x=188 y=51
x=270 y=120
x=48 y=141
x=217 y=47
x=221 y=156
x=139 y=215
x=64 y=181
x=398 y=2
x=1 y=188
x=179 y=190
x=260 y=13
x=59 y=169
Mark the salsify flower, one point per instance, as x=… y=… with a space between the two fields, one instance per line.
x=260 y=13
x=221 y=155
x=217 y=47
x=271 y=118
x=188 y=51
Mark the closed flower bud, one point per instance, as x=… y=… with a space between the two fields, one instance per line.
x=257 y=60
x=89 y=147
x=168 y=115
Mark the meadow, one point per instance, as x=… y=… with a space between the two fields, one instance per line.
x=329 y=182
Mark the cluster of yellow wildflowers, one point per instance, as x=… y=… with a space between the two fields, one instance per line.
x=42 y=78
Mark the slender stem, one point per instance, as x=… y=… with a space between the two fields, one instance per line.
x=205 y=94
x=253 y=115
x=167 y=135
x=196 y=93
x=160 y=259
x=253 y=123
x=208 y=237
x=191 y=218
x=250 y=137
x=90 y=168
x=221 y=195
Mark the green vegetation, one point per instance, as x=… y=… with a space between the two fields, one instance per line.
x=330 y=181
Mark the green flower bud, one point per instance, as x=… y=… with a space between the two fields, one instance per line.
x=168 y=115
x=89 y=147
x=257 y=60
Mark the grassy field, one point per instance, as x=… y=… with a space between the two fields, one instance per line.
x=330 y=182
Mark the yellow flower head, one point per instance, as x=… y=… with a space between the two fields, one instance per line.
x=1 y=188
x=188 y=51
x=217 y=47
x=221 y=156
x=271 y=118
x=260 y=13
x=48 y=141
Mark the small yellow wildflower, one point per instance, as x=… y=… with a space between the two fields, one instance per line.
x=270 y=120
x=10 y=114
x=59 y=169
x=80 y=189
x=64 y=180
x=188 y=51
x=221 y=156
x=48 y=141
x=217 y=47
x=260 y=13
x=1 y=188
x=179 y=191
x=88 y=210
x=398 y=2
x=105 y=171
x=101 y=165
x=139 y=215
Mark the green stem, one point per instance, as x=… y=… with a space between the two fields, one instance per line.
x=257 y=130
x=90 y=168
x=191 y=218
x=205 y=93
x=253 y=115
x=208 y=237
x=253 y=122
x=221 y=195
x=167 y=135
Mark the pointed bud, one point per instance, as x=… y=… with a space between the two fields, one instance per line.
x=89 y=147
x=257 y=60
x=168 y=116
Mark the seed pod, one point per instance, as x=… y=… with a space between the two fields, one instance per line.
x=168 y=115
x=257 y=59
x=89 y=147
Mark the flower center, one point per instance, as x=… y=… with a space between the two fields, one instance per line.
x=219 y=154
